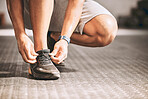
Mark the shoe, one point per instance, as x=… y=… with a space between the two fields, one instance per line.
x=60 y=65
x=50 y=43
x=44 y=68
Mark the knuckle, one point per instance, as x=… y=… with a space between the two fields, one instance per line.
x=26 y=49
x=58 y=60
x=28 y=56
x=20 y=51
x=25 y=60
x=55 y=47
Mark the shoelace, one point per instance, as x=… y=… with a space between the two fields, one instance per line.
x=43 y=58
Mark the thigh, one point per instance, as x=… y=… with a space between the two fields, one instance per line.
x=100 y=25
x=57 y=18
x=91 y=13
x=91 y=9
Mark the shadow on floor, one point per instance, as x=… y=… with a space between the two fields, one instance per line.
x=64 y=69
x=21 y=70
x=13 y=70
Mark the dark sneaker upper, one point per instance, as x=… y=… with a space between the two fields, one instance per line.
x=44 y=68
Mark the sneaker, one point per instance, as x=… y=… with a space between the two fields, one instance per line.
x=50 y=43
x=44 y=68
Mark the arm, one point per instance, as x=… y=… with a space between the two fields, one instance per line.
x=72 y=17
x=25 y=45
x=15 y=9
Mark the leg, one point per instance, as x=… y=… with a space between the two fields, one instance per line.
x=40 y=12
x=40 y=20
x=98 y=32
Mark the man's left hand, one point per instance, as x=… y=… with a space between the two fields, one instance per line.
x=60 y=51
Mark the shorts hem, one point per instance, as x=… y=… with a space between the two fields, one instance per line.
x=83 y=23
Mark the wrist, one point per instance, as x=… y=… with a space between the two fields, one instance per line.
x=20 y=36
x=67 y=39
x=63 y=42
x=19 y=32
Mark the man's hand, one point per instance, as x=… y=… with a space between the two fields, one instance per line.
x=26 y=49
x=60 y=51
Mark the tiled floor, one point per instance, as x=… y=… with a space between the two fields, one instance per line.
x=118 y=71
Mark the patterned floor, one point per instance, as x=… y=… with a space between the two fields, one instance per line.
x=118 y=71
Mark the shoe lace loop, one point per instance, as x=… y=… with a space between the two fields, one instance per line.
x=43 y=58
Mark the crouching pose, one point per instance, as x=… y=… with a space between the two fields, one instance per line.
x=55 y=24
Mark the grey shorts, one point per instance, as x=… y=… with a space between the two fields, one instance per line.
x=90 y=10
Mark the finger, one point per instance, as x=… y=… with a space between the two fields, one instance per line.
x=65 y=56
x=54 y=52
x=54 y=59
x=25 y=58
x=31 y=61
x=57 y=61
x=33 y=52
x=61 y=56
x=29 y=55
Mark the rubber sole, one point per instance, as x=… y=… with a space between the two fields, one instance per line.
x=43 y=76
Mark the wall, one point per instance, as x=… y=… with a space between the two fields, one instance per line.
x=119 y=7
x=116 y=7
x=3 y=9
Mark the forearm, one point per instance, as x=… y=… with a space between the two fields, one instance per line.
x=72 y=17
x=15 y=9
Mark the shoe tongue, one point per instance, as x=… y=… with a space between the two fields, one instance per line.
x=43 y=51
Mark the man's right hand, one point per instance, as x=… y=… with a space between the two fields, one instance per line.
x=26 y=49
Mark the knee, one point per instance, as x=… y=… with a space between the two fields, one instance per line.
x=105 y=40
x=108 y=31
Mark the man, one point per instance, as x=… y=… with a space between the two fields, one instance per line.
x=82 y=22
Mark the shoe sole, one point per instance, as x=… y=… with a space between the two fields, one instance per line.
x=59 y=65
x=43 y=76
